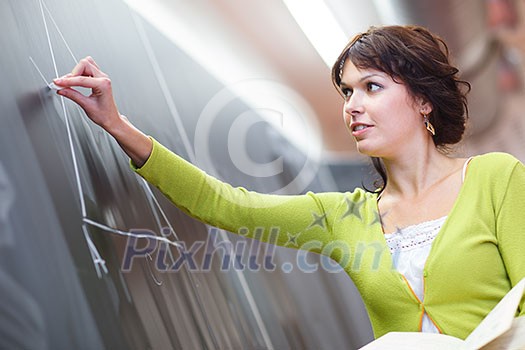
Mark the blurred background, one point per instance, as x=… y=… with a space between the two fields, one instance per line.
x=296 y=42
x=243 y=90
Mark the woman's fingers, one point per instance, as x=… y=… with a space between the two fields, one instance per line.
x=75 y=96
x=93 y=68
x=84 y=81
x=87 y=67
x=83 y=68
x=100 y=106
x=92 y=61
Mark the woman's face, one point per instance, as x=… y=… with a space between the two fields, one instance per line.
x=380 y=113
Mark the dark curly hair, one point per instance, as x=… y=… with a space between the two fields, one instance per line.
x=420 y=60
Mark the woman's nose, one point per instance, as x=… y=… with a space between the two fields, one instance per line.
x=354 y=104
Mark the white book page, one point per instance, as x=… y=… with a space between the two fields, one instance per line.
x=498 y=321
x=512 y=339
x=414 y=341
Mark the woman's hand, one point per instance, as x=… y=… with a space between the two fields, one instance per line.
x=100 y=107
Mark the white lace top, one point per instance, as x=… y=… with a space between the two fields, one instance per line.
x=410 y=247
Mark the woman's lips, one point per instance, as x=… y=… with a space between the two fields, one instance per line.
x=359 y=129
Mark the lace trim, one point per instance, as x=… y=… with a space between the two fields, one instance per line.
x=414 y=236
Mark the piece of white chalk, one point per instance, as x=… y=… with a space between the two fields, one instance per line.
x=53 y=86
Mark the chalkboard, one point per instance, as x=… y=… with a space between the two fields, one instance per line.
x=68 y=203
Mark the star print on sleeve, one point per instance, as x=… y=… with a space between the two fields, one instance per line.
x=353 y=208
x=318 y=220
x=378 y=218
x=292 y=239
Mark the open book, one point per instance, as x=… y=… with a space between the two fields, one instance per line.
x=498 y=330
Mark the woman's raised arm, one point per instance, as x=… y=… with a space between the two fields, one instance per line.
x=302 y=221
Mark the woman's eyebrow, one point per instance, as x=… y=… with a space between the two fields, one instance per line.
x=362 y=78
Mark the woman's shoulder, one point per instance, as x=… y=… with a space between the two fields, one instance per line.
x=495 y=160
x=495 y=167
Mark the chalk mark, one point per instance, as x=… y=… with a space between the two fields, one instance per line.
x=130 y=234
x=48 y=38
x=95 y=255
x=59 y=32
x=157 y=281
x=97 y=260
x=40 y=72
x=164 y=87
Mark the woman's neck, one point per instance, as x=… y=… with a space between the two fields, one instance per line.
x=414 y=173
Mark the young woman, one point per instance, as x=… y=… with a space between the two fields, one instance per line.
x=438 y=243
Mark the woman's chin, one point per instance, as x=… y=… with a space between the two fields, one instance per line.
x=366 y=150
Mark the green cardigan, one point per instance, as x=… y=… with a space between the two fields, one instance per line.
x=476 y=258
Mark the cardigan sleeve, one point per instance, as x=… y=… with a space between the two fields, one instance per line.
x=295 y=221
x=510 y=227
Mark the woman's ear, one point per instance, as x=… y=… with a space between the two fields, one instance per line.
x=425 y=107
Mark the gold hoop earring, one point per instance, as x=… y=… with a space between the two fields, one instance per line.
x=429 y=125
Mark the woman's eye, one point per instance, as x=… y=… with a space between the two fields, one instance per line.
x=346 y=92
x=373 y=87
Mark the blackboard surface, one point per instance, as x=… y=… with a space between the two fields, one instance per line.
x=65 y=185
